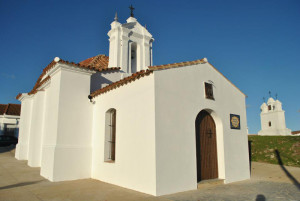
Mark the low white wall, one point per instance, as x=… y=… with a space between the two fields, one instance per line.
x=134 y=166
x=24 y=128
x=179 y=97
x=11 y=122
x=9 y=119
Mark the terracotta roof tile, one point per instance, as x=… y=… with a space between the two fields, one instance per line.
x=35 y=89
x=18 y=96
x=10 y=109
x=122 y=82
x=2 y=109
x=295 y=132
x=97 y=63
x=174 y=65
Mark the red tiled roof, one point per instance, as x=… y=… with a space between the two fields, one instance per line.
x=10 y=109
x=295 y=132
x=151 y=69
x=34 y=90
x=122 y=82
x=2 y=108
x=142 y=73
x=18 y=96
x=175 y=65
x=97 y=63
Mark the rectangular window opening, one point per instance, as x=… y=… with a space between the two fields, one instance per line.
x=209 y=91
x=110 y=136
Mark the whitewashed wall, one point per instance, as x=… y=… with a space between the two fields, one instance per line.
x=67 y=147
x=121 y=37
x=99 y=79
x=179 y=97
x=134 y=166
x=24 y=128
x=276 y=116
x=9 y=120
x=36 y=132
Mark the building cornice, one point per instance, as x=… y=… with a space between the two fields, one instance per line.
x=70 y=68
x=23 y=96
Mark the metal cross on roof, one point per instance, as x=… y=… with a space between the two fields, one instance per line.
x=131 y=10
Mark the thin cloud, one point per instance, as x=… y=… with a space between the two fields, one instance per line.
x=8 y=76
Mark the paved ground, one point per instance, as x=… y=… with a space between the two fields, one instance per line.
x=20 y=182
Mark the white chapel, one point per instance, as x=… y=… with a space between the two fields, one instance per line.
x=122 y=120
x=273 y=119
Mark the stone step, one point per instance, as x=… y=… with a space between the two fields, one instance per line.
x=210 y=183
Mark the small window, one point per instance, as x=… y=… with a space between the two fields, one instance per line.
x=270 y=107
x=209 y=91
x=270 y=124
x=110 y=136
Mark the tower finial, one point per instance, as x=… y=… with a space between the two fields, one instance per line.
x=131 y=10
x=276 y=96
x=116 y=17
x=270 y=94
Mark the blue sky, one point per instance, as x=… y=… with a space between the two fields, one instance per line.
x=255 y=44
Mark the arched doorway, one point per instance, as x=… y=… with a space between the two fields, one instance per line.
x=206 y=147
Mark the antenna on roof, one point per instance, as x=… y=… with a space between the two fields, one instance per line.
x=116 y=17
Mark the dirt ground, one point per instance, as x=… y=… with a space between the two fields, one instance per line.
x=21 y=182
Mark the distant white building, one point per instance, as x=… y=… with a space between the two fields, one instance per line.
x=119 y=119
x=9 y=119
x=273 y=119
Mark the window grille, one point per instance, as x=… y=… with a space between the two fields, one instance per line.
x=110 y=136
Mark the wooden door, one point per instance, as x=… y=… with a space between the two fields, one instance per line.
x=206 y=144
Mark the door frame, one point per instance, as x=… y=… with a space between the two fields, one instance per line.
x=219 y=142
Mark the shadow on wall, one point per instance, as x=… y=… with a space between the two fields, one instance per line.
x=295 y=182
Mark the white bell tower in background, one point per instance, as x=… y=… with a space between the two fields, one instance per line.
x=273 y=119
x=130 y=45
